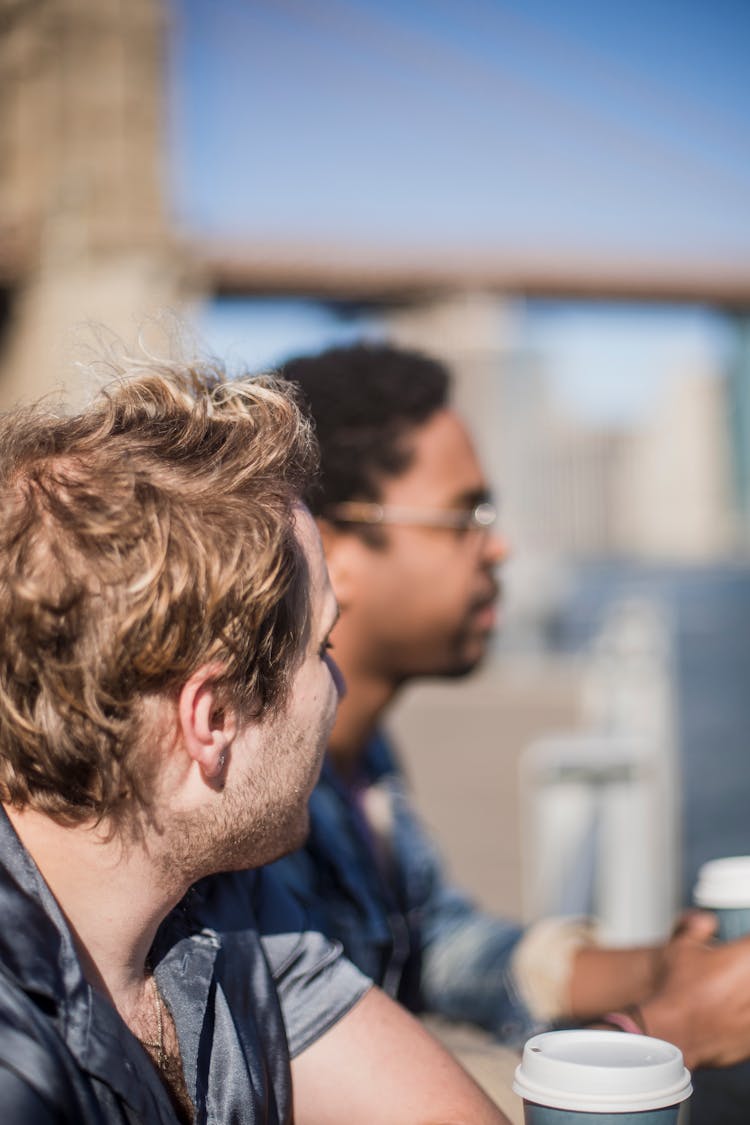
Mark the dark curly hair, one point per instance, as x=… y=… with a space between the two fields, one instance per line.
x=365 y=400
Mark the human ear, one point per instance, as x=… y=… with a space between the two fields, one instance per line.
x=207 y=725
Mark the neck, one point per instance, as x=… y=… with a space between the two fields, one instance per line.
x=360 y=712
x=112 y=894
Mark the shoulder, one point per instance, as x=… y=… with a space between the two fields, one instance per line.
x=315 y=983
x=21 y=1103
x=299 y=874
x=35 y=1083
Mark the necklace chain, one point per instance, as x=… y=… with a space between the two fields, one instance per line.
x=157 y=1046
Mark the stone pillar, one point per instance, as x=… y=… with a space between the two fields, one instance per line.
x=83 y=128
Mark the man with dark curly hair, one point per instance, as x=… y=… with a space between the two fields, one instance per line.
x=166 y=694
x=412 y=547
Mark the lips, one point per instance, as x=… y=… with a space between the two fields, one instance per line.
x=488 y=598
x=484 y=610
x=485 y=619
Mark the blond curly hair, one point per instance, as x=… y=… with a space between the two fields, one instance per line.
x=140 y=539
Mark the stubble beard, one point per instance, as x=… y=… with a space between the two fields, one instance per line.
x=462 y=655
x=251 y=825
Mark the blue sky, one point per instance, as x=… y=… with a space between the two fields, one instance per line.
x=607 y=129
x=613 y=126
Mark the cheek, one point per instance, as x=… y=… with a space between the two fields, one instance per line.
x=317 y=693
x=336 y=675
x=406 y=579
x=446 y=566
x=443 y=589
x=432 y=585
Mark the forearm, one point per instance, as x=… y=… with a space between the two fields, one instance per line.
x=467 y=976
x=606 y=979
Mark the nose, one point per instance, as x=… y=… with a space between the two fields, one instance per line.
x=496 y=548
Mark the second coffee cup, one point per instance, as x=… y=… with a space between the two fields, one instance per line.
x=723 y=886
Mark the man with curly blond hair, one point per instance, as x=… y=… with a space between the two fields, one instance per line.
x=166 y=695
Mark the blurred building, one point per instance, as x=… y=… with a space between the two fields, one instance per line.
x=739 y=428
x=658 y=490
x=675 y=489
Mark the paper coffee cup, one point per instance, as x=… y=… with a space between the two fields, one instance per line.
x=601 y=1078
x=723 y=885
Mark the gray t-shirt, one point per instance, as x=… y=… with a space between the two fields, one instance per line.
x=243 y=981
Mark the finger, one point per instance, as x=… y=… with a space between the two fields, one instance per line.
x=698 y=925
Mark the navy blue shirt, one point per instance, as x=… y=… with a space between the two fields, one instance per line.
x=384 y=895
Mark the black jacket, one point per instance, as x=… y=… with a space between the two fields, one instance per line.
x=229 y=959
x=65 y=1054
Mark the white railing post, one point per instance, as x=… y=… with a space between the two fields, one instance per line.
x=600 y=808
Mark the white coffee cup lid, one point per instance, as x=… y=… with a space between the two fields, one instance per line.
x=724 y=883
x=601 y=1072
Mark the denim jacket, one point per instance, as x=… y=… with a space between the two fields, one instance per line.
x=384 y=896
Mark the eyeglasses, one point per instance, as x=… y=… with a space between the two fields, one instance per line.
x=480 y=518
